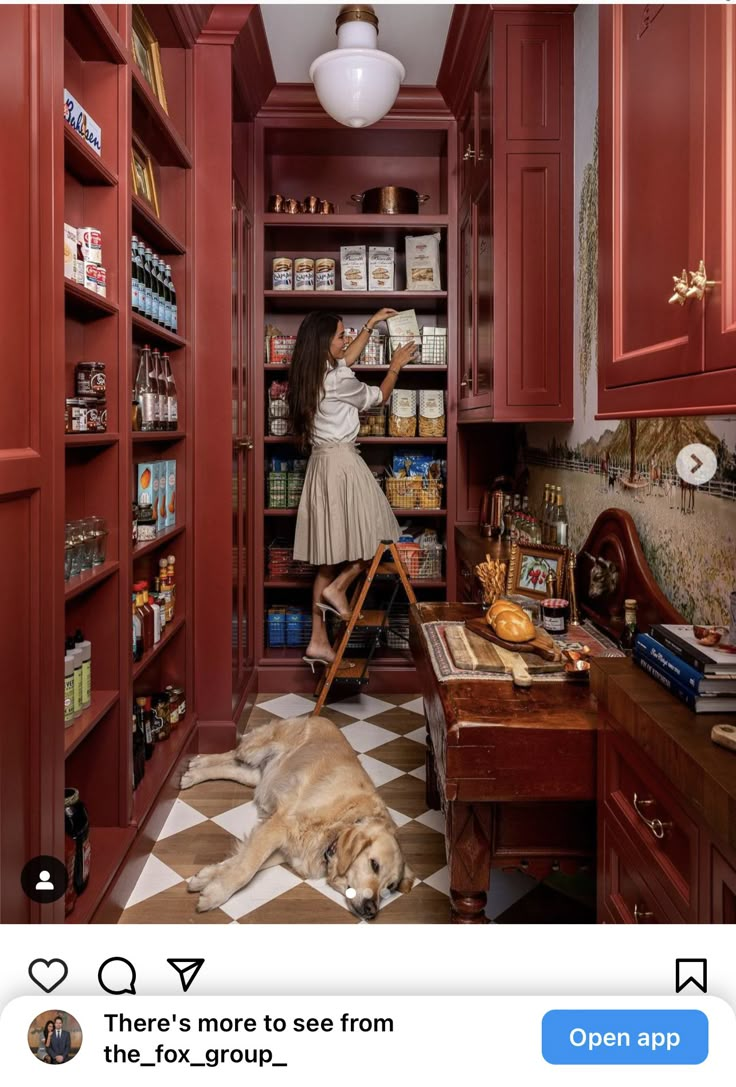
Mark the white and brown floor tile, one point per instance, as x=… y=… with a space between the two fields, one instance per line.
x=388 y=733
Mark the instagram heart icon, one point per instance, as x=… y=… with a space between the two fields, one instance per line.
x=48 y=974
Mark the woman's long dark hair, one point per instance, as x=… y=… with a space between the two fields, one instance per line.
x=307 y=371
x=49 y=1023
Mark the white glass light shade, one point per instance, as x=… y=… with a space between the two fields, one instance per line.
x=357 y=87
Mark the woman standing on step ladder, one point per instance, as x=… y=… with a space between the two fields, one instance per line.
x=343 y=513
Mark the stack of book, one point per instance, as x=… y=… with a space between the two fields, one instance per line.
x=703 y=677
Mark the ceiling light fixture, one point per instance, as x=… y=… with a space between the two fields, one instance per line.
x=356 y=83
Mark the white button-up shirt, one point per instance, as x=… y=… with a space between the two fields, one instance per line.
x=336 y=417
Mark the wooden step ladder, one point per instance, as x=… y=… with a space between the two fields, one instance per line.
x=355 y=669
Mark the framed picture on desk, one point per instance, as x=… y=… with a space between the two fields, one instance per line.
x=531 y=564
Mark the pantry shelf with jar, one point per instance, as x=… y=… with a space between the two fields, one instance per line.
x=302 y=265
x=117 y=156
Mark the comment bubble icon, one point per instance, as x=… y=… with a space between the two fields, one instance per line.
x=117 y=976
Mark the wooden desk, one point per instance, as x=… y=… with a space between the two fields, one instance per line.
x=514 y=771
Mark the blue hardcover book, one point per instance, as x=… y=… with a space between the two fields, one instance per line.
x=701 y=704
x=668 y=661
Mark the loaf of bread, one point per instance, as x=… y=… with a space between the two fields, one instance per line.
x=510 y=622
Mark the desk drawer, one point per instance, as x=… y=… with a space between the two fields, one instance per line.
x=625 y=897
x=645 y=806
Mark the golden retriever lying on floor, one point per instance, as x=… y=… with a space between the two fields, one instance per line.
x=319 y=811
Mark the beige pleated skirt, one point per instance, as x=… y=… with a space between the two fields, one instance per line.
x=343 y=513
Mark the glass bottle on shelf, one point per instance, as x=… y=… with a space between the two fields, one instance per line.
x=171 y=394
x=543 y=508
x=560 y=521
x=134 y=293
x=631 y=629
x=146 y=616
x=137 y=645
x=165 y=296
x=145 y=391
x=155 y=286
x=142 y=713
x=161 y=406
x=172 y=294
x=147 y=282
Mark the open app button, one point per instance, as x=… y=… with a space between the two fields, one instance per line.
x=614 y=1036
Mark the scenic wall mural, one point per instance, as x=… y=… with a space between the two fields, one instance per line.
x=688 y=535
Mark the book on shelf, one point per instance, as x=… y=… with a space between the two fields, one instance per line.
x=698 y=703
x=672 y=664
x=679 y=637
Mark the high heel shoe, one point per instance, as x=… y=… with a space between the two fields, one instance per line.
x=324 y=608
x=311 y=661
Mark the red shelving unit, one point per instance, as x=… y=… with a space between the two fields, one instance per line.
x=295 y=154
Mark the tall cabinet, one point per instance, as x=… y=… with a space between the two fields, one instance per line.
x=667 y=185
x=508 y=76
x=299 y=150
x=48 y=477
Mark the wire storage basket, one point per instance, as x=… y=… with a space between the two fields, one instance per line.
x=287 y=626
x=434 y=346
x=372 y=423
x=412 y=493
x=395 y=342
x=280 y=562
x=422 y=557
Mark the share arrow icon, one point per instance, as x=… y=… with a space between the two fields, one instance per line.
x=187 y=969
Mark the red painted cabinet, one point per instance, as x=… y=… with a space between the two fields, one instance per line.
x=515 y=274
x=666 y=203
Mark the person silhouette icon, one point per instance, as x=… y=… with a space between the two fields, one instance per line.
x=44 y=882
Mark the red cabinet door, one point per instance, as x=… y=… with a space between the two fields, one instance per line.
x=719 y=251
x=651 y=200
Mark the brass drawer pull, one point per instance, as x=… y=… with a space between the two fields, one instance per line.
x=656 y=826
x=640 y=914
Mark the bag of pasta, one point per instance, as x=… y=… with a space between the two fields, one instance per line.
x=402 y=420
x=431 y=413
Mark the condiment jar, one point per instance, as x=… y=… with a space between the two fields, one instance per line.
x=90 y=380
x=554 y=615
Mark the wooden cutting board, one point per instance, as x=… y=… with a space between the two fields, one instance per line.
x=541 y=645
x=471 y=653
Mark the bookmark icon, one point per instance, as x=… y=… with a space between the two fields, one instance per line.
x=187 y=969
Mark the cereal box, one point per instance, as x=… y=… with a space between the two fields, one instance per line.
x=170 y=493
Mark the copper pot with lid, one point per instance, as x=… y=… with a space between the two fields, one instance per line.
x=390 y=200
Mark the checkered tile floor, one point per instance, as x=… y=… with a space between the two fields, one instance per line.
x=388 y=733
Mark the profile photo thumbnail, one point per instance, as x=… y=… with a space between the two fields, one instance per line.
x=54 y=1037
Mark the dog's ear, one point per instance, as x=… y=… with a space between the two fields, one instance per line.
x=407 y=880
x=350 y=844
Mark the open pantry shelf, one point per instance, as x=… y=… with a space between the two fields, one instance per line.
x=102 y=701
x=165 y=538
x=109 y=846
x=88 y=28
x=270 y=439
x=160 y=766
x=414 y=224
x=146 y=223
x=168 y=635
x=353 y=301
x=142 y=437
x=84 y=304
x=84 y=164
x=155 y=335
x=71 y=440
x=82 y=583
x=413 y=368
x=155 y=127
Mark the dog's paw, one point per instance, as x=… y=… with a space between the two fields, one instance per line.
x=202 y=878
x=188 y=778
x=213 y=895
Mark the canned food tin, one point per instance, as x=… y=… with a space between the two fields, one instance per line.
x=324 y=274
x=304 y=274
x=102 y=281
x=283 y=273
x=89 y=241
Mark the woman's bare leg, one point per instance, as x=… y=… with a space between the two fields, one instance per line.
x=335 y=593
x=319 y=643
